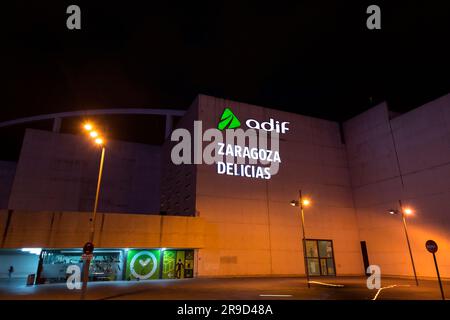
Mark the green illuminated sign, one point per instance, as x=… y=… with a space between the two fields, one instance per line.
x=143 y=264
x=178 y=264
x=228 y=120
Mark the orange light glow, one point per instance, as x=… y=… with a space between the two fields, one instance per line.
x=88 y=127
x=408 y=211
x=99 y=141
x=93 y=134
x=306 y=202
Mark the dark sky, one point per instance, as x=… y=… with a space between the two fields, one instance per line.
x=311 y=57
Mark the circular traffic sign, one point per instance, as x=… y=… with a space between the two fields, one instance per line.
x=88 y=248
x=431 y=246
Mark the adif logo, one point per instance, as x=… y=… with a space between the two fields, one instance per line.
x=228 y=120
x=271 y=125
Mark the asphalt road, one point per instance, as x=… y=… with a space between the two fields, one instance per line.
x=341 y=288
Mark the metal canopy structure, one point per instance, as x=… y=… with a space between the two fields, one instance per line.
x=57 y=117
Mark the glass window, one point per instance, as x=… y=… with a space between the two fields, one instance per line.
x=323 y=267
x=325 y=249
x=330 y=267
x=320 y=259
x=311 y=249
x=106 y=265
x=313 y=266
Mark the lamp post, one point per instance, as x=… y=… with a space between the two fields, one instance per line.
x=99 y=141
x=404 y=212
x=300 y=203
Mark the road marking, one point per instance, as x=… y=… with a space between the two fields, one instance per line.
x=327 y=284
x=275 y=295
x=389 y=287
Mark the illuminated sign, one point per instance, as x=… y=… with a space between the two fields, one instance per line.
x=271 y=125
x=246 y=170
x=228 y=120
x=143 y=264
x=234 y=151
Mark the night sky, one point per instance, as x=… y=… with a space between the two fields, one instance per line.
x=315 y=58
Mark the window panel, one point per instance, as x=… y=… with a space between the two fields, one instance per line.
x=330 y=267
x=319 y=257
x=323 y=267
x=311 y=249
x=325 y=249
x=313 y=266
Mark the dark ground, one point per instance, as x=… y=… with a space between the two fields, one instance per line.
x=354 y=288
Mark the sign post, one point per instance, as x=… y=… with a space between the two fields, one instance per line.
x=87 y=256
x=305 y=254
x=433 y=248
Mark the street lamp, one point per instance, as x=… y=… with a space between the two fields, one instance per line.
x=100 y=142
x=406 y=212
x=301 y=202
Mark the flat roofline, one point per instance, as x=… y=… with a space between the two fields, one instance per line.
x=95 y=112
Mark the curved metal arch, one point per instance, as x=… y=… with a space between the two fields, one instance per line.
x=168 y=113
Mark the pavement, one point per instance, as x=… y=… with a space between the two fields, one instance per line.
x=248 y=288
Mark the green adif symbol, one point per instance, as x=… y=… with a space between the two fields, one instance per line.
x=228 y=120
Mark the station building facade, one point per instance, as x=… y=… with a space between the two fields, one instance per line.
x=158 y=219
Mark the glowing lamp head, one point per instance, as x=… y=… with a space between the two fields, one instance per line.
x=88 y=127
x=392 y=211
x=408 y=211
x=306 y=202
x=99 y=141
x=93 y=134
x=294 y=203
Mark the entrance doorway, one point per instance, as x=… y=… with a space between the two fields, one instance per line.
x=17 y=264
x=320 y=257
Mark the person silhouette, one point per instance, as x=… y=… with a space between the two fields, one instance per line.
x=10 y=272
x=180 y=265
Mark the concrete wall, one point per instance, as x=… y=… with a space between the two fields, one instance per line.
x=245 y=226
x=422 y=140
x=71 y=230
x=7 y=172
x=250 y=227
x=178 y=182
x=58 y=172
